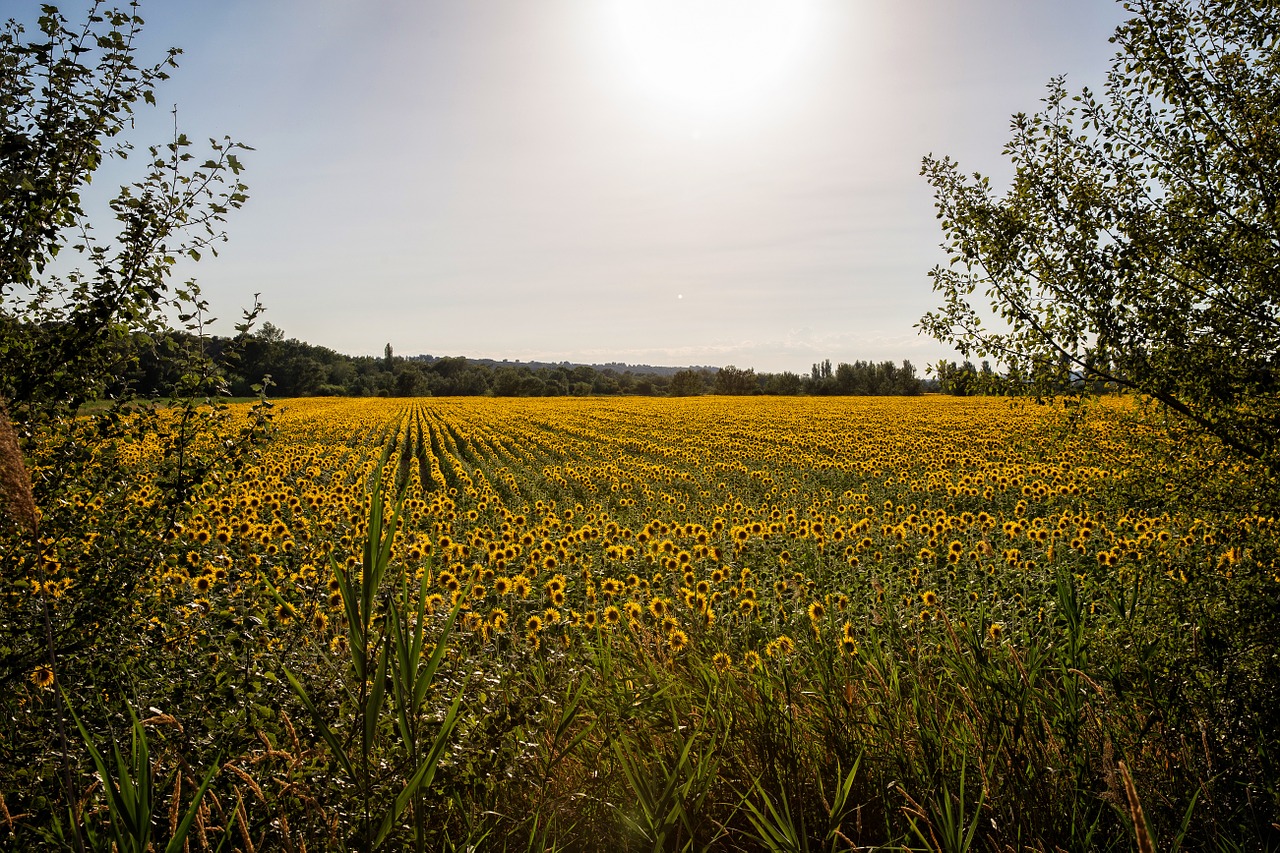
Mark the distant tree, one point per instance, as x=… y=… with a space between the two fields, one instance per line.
x=958 y=380
x=685 y=383
x=341 y=373
x=513 y=381
x=300 y=375
x=270 y=333
x=606 y=383
x=474 y=381
x=532 y=385
x=734 y=380
x=785 y=383
x=909 y=384
x=852 y=378
x=411 y=380
x=868 y=378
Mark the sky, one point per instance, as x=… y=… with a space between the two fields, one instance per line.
x=667 y=182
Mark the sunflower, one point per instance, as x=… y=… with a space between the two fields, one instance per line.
x=783 y=646
x=677 y=640
x=42 y=677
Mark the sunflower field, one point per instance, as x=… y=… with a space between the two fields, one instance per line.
x=641 y=624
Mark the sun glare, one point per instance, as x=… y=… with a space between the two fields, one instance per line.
x=711 y=58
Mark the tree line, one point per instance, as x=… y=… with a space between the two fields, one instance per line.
x=295 y=368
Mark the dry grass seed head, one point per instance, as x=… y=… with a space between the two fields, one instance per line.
x=15 y=482
x=10 y=818
x=242 y=821
x=173 y=804
x=1139 y=819
x=248 y=780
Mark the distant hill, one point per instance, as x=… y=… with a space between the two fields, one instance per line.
x=618 y=367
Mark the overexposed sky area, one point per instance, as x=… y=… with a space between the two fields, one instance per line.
x=652 y=181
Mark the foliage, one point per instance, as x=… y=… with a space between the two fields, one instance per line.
x=734 y=380
x=300 y=369
x=67 y=324
x=665 y=624
x=1137 y=243
x=75 y=310
x=130 y=792
x=965 y=380
x=391 y=654
x=864 y=378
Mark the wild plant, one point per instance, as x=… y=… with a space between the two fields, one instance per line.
x=130 y=793
x=386 y=633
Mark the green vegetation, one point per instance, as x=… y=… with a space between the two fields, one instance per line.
x=743 y=624
x=735 y=623
x=75 y=299
x=299 y=369
x=1137 y=246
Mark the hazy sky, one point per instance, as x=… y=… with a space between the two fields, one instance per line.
x=693 y=182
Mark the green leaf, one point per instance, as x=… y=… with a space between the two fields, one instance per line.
x=335 y=746
x=423 y=775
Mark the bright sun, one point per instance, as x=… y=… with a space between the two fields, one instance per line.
x=711 y=58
